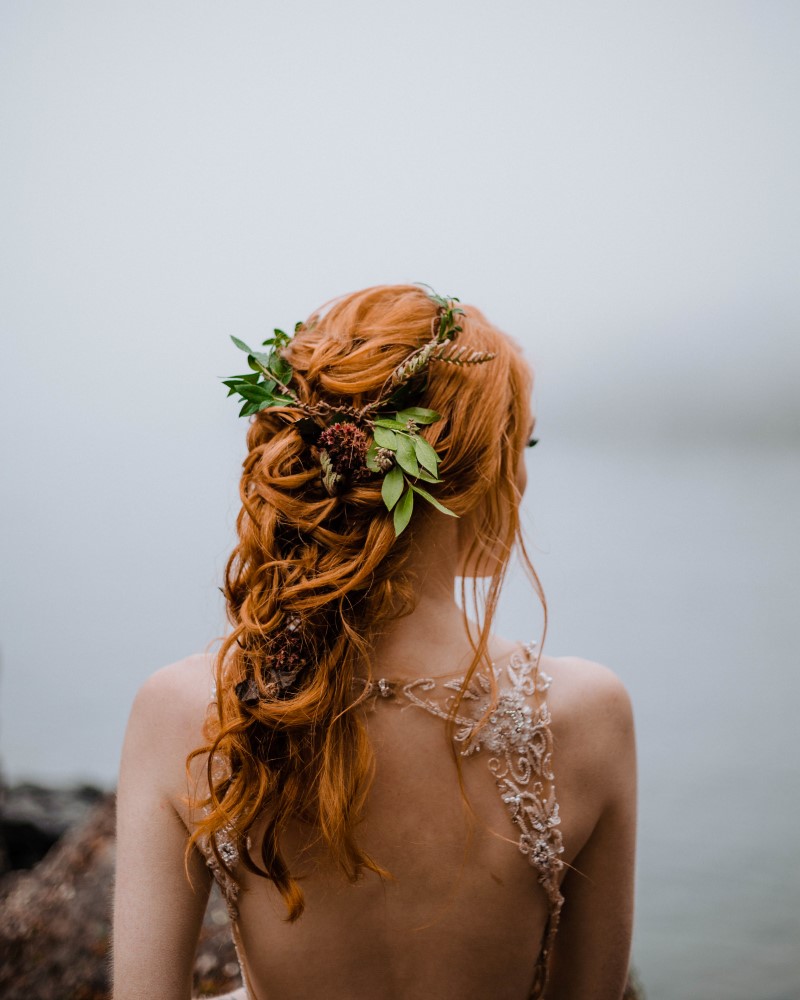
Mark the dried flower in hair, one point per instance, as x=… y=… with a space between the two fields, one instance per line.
x=247 y=691
x=286 y=649
x=346 y=446
x=343 y=450
x=286 y=658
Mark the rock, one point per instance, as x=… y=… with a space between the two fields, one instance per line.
x=55 y=922
x=33 y=819
x=55 y=919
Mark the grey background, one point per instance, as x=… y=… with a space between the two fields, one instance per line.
x=615 y=184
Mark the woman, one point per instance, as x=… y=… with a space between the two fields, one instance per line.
x=396 y=802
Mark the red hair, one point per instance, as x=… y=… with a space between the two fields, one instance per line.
x=335 y=563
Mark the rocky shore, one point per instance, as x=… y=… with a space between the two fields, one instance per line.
x=56 y=875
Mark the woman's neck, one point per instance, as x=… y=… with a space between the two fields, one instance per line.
x=432 y=639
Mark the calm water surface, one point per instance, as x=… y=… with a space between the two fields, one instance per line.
x=680 y=571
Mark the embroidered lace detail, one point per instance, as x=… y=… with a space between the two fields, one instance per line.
x=230 y=855
x=518 y=743
x=225 y=840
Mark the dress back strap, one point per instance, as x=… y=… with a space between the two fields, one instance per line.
x=495 y=717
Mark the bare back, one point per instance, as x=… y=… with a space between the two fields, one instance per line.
x=474 y=902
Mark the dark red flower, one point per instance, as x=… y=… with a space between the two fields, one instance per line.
x=346 y=445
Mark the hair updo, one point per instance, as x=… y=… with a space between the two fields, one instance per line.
x=314 y=576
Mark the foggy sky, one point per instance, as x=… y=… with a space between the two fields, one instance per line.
x=614 y=184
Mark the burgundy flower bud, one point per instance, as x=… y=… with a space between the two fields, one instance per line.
x=346 y=445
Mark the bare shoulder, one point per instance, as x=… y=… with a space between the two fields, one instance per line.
x=592 y=722
x=167 y=716
x=177 y=690
x=594 y=762
x=587 y=690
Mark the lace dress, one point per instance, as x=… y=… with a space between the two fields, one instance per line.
x=517 y=744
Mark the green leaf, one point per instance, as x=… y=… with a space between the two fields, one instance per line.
x=260 y=366
x=247 y=409
x=280 y=400
x=249 y=389
x=385 y=438
x=403 y=511
x=371 y=458
x=255 y=393
x=234 y=385
x=392 y=486
x=393 y=425
x=278 y=339
x=426 y=455
x=419 y=415
x=249 y=377
x=263 y=359
x=280 y=367
x=406 y=456
x=433 y=500
x=427 y=477
x=241 y=345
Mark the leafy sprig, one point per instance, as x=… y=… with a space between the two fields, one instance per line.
x=268 y=382
x=447 y=326
x=413 y=459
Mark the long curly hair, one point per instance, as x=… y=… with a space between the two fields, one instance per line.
x=334 y=565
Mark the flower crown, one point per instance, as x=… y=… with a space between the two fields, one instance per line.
x=379 y=439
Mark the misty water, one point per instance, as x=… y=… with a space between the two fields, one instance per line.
x=678 y=568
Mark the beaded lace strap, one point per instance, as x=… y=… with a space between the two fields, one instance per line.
x=519 y=745
x=520 y=741
x=225 y=840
